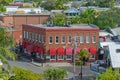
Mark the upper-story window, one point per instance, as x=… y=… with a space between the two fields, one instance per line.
x=24 y=34
x=87 y=39
x=63 y=39
x=93 y=39
x=76 y=38
x=30 y=35
x=69 y=39
x=36 y=37
x=43 y=38
x=57 y=40
x=81 y=39
x=50 y=40
x=39 y=38
x=27 y=35
x=33 y=36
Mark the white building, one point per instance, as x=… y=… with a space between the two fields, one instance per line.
x=26 y=10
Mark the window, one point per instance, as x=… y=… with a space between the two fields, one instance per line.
x=93 y=39
x=69 y=39
x=24 y=34
x=52 y=57
x=57 y=39
x=63 y=39
x=81 y=39
x=27 y=35
x=32 y=36
x=60 y=57
x=68 y=56
x=50 y=40
x=87 y=39
x=76 y=38
x=39 y=38
x=117 y=50
x=43 y=38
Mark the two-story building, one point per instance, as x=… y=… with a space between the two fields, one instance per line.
x=56 y=43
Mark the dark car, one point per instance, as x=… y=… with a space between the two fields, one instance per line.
x=98 y=66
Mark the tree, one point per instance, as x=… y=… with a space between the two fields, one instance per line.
x=109 y=75
x=75 y=20
x=5 y=2
x=109 y=18
x=81 y=55
x=5 y=42
x=21 y=74
x=2 y=8
x=87 y=16
x=54 y=4
x=55 y=74
x=59 y=18
x=101 y=3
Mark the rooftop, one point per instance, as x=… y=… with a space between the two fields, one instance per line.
x=80 y=26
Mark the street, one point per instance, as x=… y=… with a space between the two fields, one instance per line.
x=27 y=64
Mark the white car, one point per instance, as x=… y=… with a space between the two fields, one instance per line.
x=98 y=66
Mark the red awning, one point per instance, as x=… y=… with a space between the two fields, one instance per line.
x=52 y=51
x=30 y=48
x=92 y=50
x=35 y=49
x=23 y=44
x=41 y=50
x=61 y=51
x=77 y=50
x=69 y=51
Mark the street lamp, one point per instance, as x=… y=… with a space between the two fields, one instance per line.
x=75 y=45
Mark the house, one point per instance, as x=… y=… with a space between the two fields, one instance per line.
x=56 y=43
x=70 y=13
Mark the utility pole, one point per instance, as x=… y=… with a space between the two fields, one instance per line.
x=75 y=45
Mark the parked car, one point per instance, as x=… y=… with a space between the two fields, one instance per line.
x=98 y=66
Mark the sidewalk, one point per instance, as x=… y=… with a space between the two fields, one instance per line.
x=55 y=64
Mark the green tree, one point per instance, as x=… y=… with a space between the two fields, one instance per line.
x=54 y=4
x=21 y=74
x=75 y=20
x=109 y=18
x=109 y=75
x=59 y=18
x=87 y=16
x=83 y=54
x=5 y=42
x=2 y=8
x=5 y=2
x=55 y=74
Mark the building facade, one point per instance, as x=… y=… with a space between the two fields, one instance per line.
x=56 y=43
x=15 y=21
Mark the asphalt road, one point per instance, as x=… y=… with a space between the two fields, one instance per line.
x=26 y=64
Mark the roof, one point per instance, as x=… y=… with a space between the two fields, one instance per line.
x=114 y=50
x=104 y=33
x=72 y=26
x=71 y=10
x=115 y=31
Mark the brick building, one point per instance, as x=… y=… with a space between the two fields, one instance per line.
x=56 y=43
x=16 y=20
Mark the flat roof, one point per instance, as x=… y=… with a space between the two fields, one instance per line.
x=81 y=26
